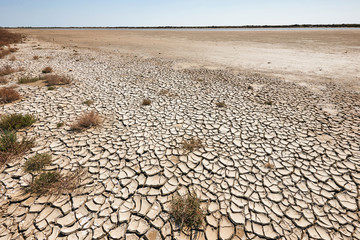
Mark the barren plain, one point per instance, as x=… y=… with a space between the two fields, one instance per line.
x=276 y=112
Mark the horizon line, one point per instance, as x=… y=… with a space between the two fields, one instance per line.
x=349 y=25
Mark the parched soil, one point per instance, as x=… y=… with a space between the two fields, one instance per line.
x=277 y=160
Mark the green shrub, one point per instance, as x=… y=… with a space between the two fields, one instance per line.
x=16 y=121
x=11 y=148
x=51 y=88
x=45 y=182
x=37 y=162
x=8 y=140
x=24 y=80
x=186 y=211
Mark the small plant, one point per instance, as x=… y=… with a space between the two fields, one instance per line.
x=59 y=125
x=87 y=120
x=146 y=102
x=36 y=57
x=186 y=211
x=37 y=162
x=11 y=148
x=16 y=121
x=8 y=95
x=3 y=80
x=269 y=165
x=6 y=70
x=192 y=144
x=220 y=104
x=53 y=182
x=7 y=140
x=268 y=102
x=164 y=92
x=24 y=80
x=88 y=102
x=57 y=80
x=47 y=70
x=51 y=88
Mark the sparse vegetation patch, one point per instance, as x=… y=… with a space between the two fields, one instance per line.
x=53 y=182
x=24 y=80
x=186 y=211
x=37 y=162
x=11 y=148
x=16 y=121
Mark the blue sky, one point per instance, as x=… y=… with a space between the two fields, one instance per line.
x=63 y=13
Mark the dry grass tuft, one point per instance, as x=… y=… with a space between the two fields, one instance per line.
x=87 y=120
x=8 y=95
x=186 y=212
x=57 y=80
x=88 y=102
x=12 y=58
x=192 y=144
x=59 y=124
x=11 y=148
x=146 y=102
x=16 y=121
x=53 y=182
x=3 y=80
x=220 y=104
x=36 y=57
x=6 y=70
x=47 y=70
x=268 y=102
x=37 y=162
x=269 y=165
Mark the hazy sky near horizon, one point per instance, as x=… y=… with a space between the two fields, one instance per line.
x=65 y=13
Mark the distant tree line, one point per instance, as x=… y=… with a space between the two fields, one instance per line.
x=212 y=27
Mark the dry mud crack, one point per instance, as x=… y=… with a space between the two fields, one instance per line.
x=275 y=164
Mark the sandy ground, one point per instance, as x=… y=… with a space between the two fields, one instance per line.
x=303 y=56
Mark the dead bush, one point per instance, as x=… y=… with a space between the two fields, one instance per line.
x=57 y=80
x=192 y=144
x=6 y=70
x=8 y=95
x=146 y=102
x=47 y=70
x=86 y=120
